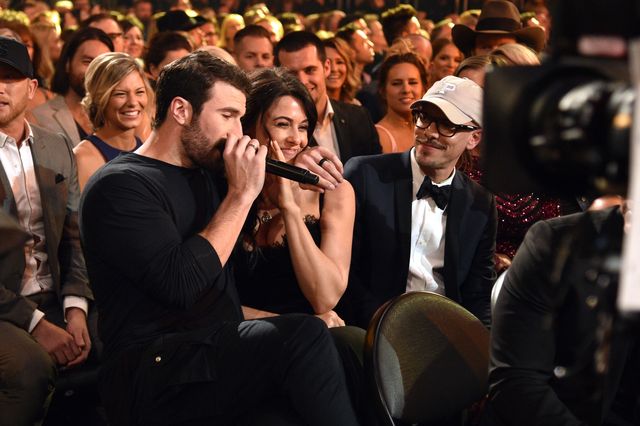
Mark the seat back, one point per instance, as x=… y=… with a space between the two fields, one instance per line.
x=426 y=358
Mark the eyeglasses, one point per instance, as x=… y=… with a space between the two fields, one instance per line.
x=445 y=128
x=115 y=36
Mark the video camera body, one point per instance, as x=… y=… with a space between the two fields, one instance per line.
x=566 y=125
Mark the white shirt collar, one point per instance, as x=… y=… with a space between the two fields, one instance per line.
x=28 y=139
x=328 y=113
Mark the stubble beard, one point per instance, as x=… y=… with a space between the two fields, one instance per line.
x=76 y=83
x=200 y=150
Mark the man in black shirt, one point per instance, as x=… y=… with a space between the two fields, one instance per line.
x=158 y=227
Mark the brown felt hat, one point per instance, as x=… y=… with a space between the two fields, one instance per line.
x=498 y=17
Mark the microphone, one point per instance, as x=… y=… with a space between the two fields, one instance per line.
x=290 y=172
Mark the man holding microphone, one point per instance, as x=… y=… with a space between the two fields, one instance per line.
x=158 y=227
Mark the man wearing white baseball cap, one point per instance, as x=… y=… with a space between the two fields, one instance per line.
x=420 y=223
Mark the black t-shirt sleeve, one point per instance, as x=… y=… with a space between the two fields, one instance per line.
x=128 y=224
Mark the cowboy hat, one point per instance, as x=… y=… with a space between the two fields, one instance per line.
x=498 y=17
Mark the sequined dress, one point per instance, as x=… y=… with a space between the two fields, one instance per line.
x=517 y=212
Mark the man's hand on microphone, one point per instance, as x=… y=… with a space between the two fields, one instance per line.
x=324 y=163
x=244 y=163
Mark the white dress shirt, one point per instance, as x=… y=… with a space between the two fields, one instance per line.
x=17 y=162
x=428 y=224
x=325 y=131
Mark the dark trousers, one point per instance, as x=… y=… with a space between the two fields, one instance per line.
x=223 y=375
x=27 y=372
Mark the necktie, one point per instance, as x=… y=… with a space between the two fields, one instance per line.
x=440 y=194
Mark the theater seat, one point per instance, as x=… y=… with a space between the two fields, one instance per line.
x=426 y=359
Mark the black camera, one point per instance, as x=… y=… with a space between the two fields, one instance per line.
x=566 y=126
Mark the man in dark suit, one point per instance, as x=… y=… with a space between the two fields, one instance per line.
x=345 y=129
x=420 y=223
x=560 y=353
x=44 y=291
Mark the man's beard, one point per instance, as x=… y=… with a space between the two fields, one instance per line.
x=77 y=85
x=200 y=150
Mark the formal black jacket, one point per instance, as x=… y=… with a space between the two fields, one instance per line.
x=382 y=238
x=355 y=131
x=544 y=336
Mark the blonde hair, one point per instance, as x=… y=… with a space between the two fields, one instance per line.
x=103 y=75
x=224 y=28
x=351 y=83
x=515 y=54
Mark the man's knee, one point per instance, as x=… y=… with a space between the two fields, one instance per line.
x=27 y=376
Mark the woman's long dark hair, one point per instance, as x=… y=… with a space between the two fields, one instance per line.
x=267 y=86
x=270 y=84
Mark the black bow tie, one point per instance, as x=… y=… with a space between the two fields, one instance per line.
x=440 y=194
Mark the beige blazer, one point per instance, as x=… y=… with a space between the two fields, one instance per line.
x=54 y=115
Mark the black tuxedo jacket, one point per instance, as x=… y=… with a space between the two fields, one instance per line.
x=355 y=131
x=544 y=338
x=382 y=238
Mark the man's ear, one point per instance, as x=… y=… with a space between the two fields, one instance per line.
x=327 y=68
x=33 y=86
x=474 y=139
x=181 y=111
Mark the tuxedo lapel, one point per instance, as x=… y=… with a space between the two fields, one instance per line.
x=340 y=124
x=403 y=198
x=456 y=211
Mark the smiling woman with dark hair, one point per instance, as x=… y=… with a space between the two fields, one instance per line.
x=297 y=246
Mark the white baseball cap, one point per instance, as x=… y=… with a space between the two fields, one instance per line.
x=460 y=99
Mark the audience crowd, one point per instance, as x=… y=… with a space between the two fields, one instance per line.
x=133 y=141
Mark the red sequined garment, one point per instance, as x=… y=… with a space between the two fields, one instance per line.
x=516 y=213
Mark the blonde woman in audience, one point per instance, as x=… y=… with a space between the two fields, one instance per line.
x=117 y=95
x=342 y=83
x=48 y=41
x=445 y=59
x=274 y=26
x=403 y=80
x=231 y=24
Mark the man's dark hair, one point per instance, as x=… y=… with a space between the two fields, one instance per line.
x=191 y=78
x=97 y=18
x=270 y=84
x=60 y=81
x=346 y=33
x=350 y=18
x=298 y=40
x=251 y=31
x=164 y=42
x=394 y=20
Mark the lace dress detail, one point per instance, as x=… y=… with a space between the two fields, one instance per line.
x=265 y=277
